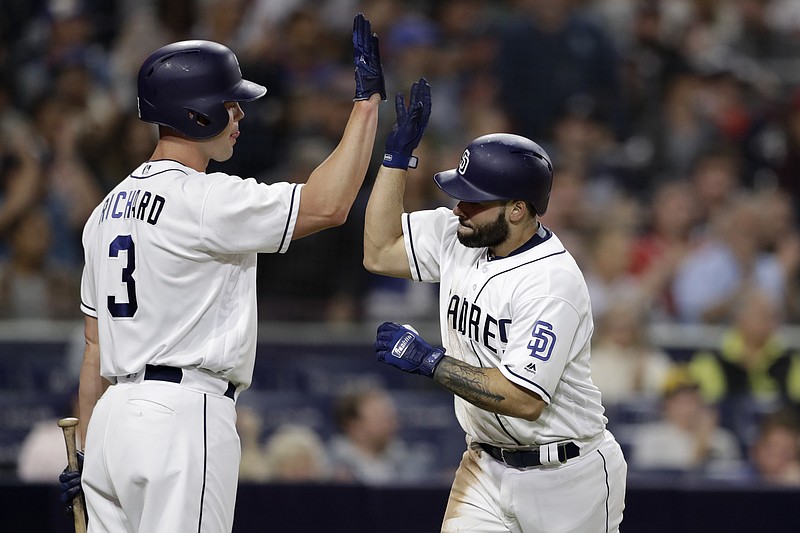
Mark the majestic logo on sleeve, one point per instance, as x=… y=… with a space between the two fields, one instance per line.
x=542 y=340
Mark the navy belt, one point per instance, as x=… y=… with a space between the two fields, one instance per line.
x=527 y=458
x=175 y=375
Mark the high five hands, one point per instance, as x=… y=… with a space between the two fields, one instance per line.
x=367 y=61
x=411 y=122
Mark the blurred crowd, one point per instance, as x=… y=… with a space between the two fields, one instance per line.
x=674 y=127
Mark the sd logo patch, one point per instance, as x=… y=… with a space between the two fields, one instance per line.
x=542 y=340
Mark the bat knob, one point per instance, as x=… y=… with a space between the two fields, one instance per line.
x=68 y=422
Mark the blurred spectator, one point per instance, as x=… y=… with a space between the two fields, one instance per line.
x=715 y=176
x=31 y=284
x=629 y=94
x=569 y=217
x=146 y=26
x=667 y=236
x=400 y=299
x=72 y=192
x=42 y=455
x=789 y=139
x=651 y=61
x=414 y=45
x=581 y=139
x=705 y=27
x=709 y=284
x=551 y=57
x=61 y=37
x=21 y=181
x=254 y=465
x=752 y=360
x=625 y=365
x=688 y=438
x=780 y=234
x=607 y=270
x=130 y=142
x=775 y=454
x=367 y=448
x=296 y=454
x=682 y=131
x=465 y=57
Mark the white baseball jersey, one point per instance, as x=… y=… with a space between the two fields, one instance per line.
x=171 y=268
x=528 y=315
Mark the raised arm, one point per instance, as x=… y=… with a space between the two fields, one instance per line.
x=332 y=187
x=384 y=246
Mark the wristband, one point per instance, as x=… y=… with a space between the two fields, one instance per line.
x=399 y=161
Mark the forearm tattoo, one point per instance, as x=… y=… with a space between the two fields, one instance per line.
x=468 y=382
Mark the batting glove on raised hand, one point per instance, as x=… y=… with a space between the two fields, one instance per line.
x=367 y=59
x=411 y=123
x=402 y=347
x=71 y=484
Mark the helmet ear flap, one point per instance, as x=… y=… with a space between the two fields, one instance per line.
x=199 y=118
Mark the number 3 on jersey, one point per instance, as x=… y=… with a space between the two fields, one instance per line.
x=124 y=310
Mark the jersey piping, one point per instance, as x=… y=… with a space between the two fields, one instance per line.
x=288 y=219
x=516 y=267
x=526 y=380
x=411 y=243
x=134 y=176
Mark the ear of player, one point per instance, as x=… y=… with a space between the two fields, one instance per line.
x=402 y=347
x=367 y=60
x=411 y=122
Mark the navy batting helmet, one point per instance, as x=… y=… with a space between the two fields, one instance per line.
x=500 y=166
x=185 y=85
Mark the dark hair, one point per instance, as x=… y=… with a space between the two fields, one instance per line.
x=348 y=405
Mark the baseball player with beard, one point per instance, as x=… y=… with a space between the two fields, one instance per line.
x=516 y=327
x=168 y=290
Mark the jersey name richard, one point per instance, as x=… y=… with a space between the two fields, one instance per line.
x=469 y=320
x=136 y=204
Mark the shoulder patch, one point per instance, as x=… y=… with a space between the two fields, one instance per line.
x=542 y=340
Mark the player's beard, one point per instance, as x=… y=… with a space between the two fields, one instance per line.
x=488 y=235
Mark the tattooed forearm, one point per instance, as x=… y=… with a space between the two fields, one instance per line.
x=468 y=382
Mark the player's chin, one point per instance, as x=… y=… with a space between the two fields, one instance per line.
x=221 y=157
x=465 y=231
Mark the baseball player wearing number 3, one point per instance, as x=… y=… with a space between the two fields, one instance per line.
x=516 y=328
x=168 y=289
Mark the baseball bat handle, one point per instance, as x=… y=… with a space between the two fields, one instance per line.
x=68 y=426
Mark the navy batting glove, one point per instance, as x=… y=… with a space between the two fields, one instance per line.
x=402 y=347
x=411 y=123
x=367 y=59
x=71 y=484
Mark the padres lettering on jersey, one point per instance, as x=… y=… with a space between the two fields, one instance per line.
x=470 y=321
x=527 y=315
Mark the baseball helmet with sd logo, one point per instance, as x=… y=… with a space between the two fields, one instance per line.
x=500 y=166
x=185 y=86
